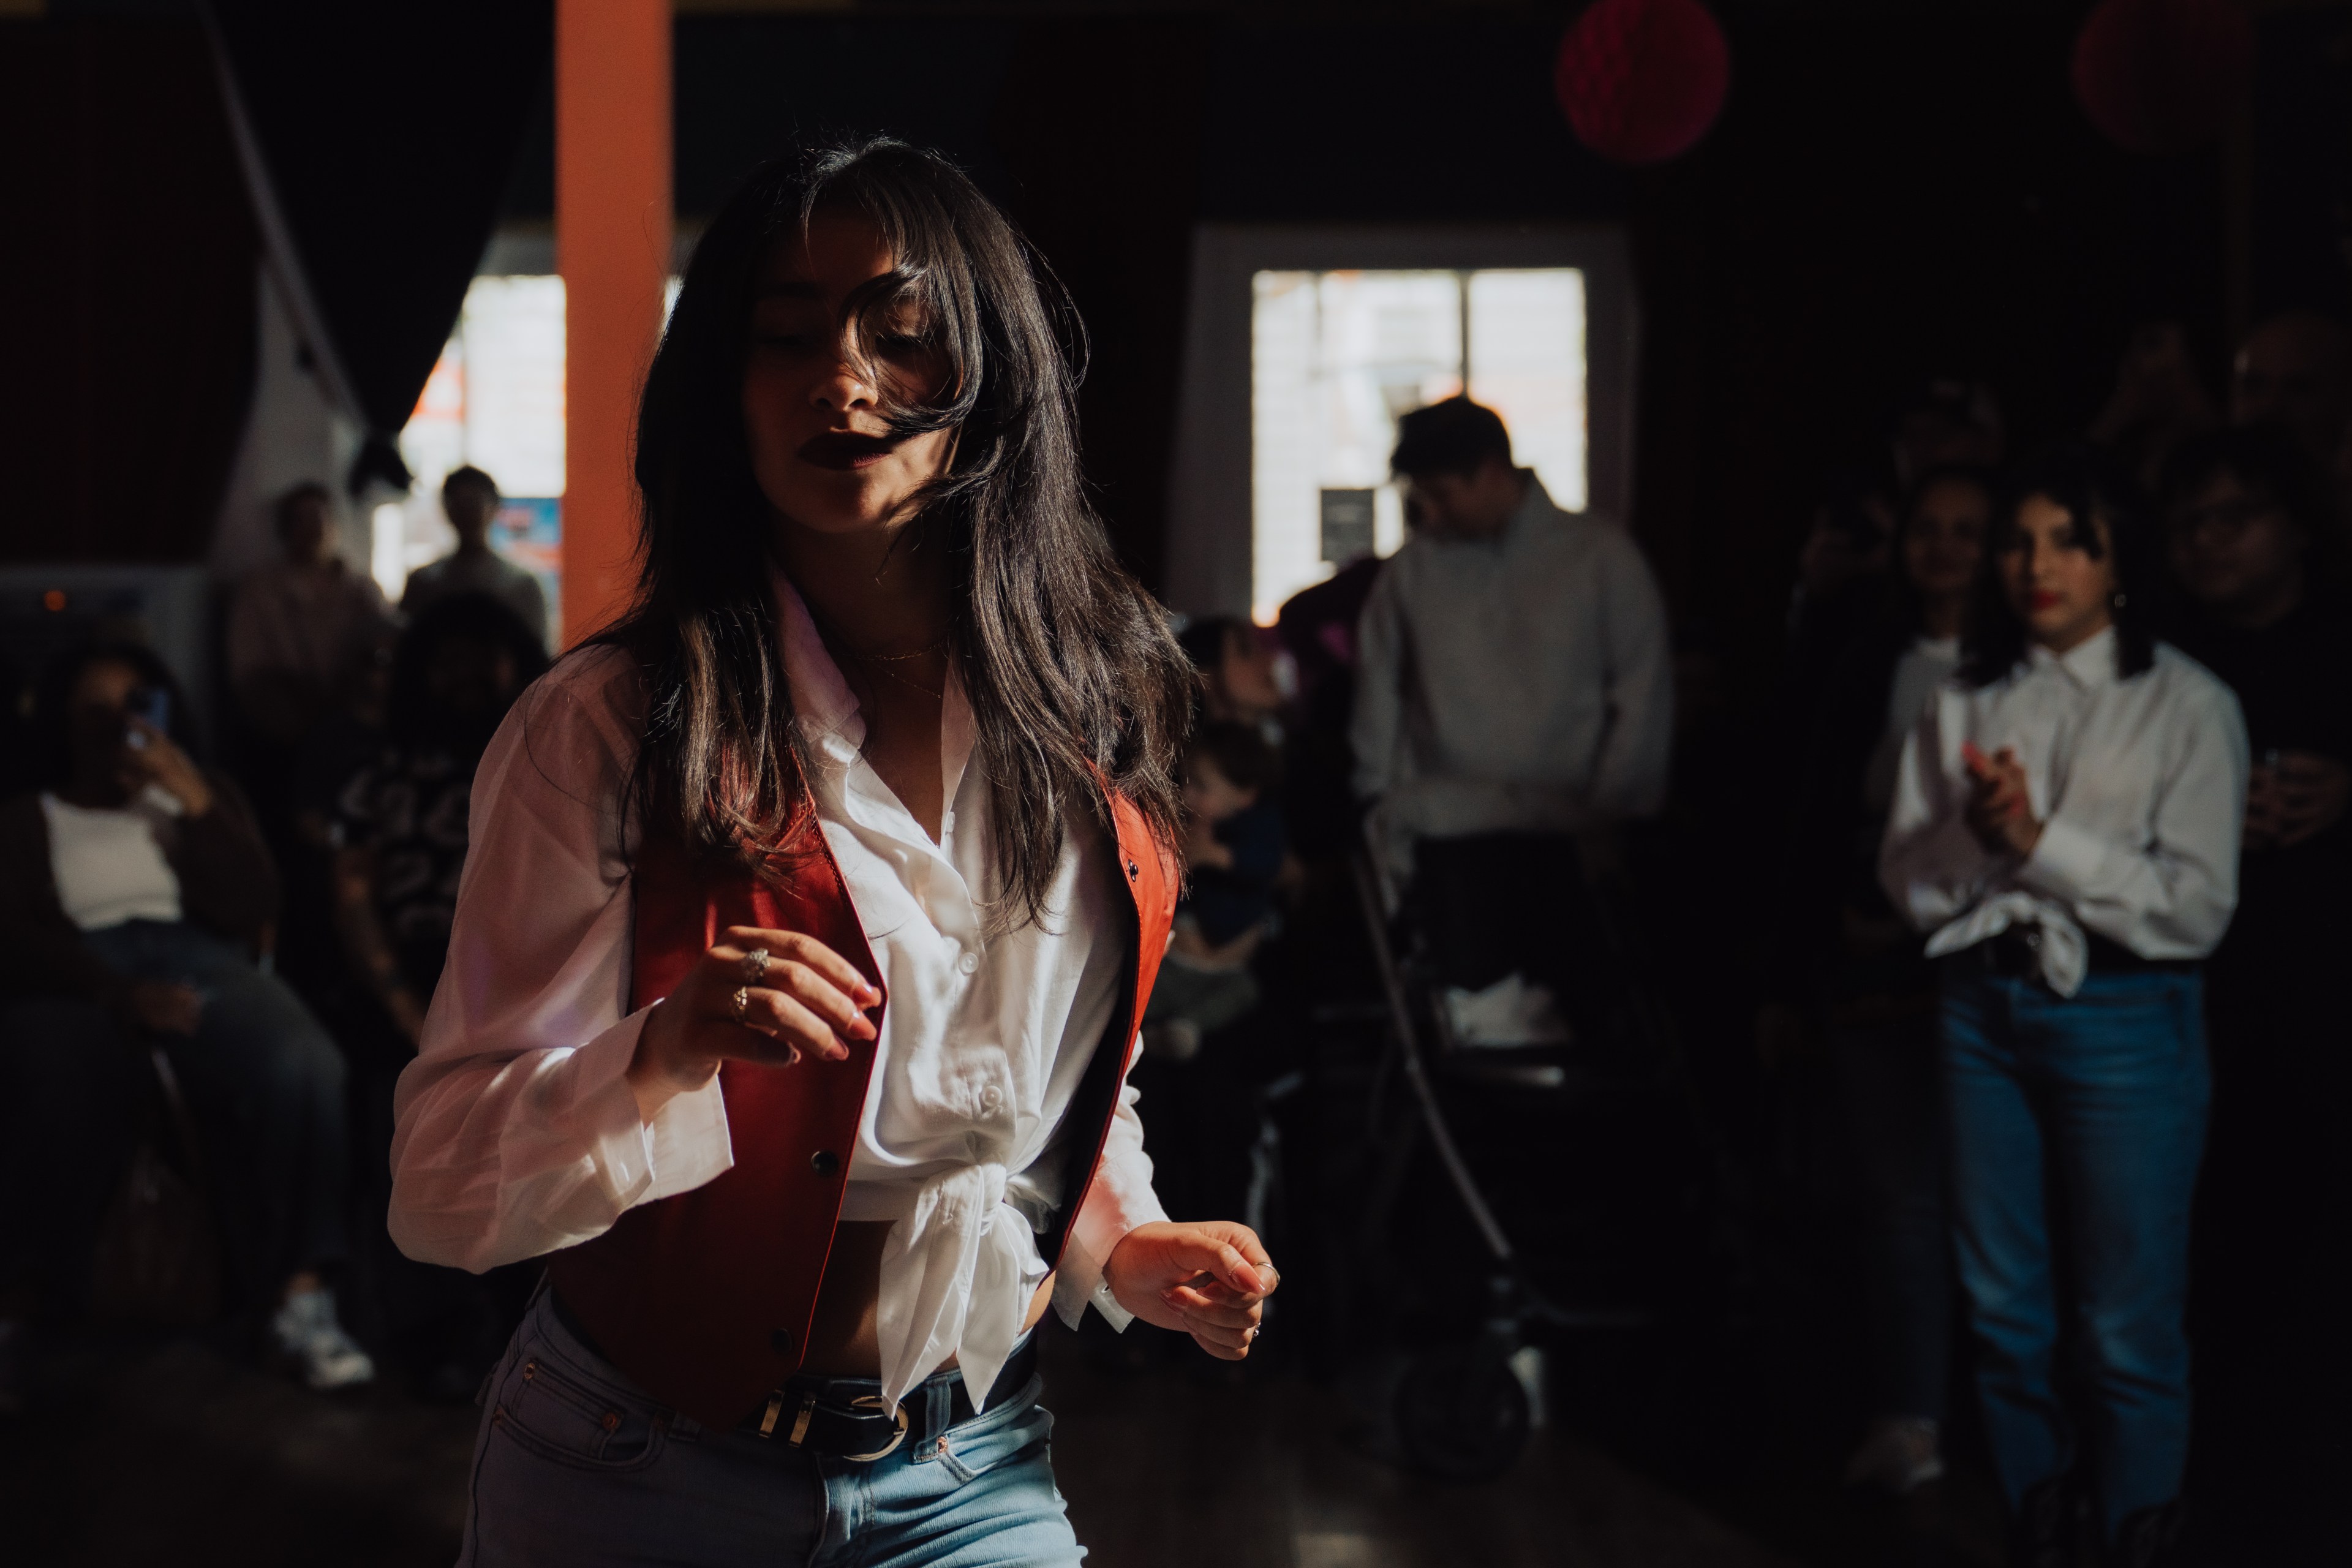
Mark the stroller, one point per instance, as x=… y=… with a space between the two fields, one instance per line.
x=1462 y=1407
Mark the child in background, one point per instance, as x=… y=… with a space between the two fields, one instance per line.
x=1233 y=854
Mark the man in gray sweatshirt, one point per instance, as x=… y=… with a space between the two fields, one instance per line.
x=1517 y=691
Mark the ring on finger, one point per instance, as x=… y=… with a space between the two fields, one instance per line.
x=755 y=966
x=742 y=1001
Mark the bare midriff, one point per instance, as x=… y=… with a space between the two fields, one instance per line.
x=844 y=1339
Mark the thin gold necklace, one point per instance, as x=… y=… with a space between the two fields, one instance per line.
x=938 y=695
x=929 y=647
x=881 y=662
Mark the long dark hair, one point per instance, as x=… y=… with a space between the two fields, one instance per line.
x=2093 y=491
x=1071 y=676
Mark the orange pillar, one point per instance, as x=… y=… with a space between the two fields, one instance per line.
x=612 y=245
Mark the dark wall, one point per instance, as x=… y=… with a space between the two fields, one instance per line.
x=1893 y=191
x=127 y=291
x=1887 y=197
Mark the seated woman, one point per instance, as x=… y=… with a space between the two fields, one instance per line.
x=134 y=889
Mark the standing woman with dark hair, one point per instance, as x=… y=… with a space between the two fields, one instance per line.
x=2066 y=824
x=806 y=927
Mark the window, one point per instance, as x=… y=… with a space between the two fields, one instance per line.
x=1337 y=356
x=496 y=401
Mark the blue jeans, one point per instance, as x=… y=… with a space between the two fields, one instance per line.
x=2093 y=1107
x=576 y=1469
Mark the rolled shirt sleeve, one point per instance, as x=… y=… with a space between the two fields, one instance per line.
x=1120 y=1199
x=516 y=1131
x=1930 y=865
x=2169 y=892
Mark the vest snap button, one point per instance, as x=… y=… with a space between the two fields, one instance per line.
x=781 y=1341
x=824 y=1162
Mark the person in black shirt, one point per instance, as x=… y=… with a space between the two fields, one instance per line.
x=2251 y=535
x=400 y=832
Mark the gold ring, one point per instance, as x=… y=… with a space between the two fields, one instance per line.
x=743 y=1004
x=755 y=966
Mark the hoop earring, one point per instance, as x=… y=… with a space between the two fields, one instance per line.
x=2117 y=601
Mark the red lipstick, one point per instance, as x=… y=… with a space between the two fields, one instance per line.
x=846 y=451
x=2042 y=599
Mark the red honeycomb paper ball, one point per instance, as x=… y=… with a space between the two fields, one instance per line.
x=2162 y=76
x=1641 y=81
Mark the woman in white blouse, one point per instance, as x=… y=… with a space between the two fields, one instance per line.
x=805 y=931
x=2065 y=827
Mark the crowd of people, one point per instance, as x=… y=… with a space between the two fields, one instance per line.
x=2080 y=722
x=2056 y=861
x=223 y=972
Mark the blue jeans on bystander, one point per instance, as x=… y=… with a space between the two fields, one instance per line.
x=2080 y=1119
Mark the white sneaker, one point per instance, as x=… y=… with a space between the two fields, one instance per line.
x=1510 y=1012
x=310 y=1336
x=1898 y=1455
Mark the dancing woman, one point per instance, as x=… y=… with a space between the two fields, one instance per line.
x=2066 y=824
x=808 y=920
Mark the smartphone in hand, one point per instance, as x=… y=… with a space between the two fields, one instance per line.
x=151 y=705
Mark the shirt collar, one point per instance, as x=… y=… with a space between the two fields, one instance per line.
x=2089 y=664
x=828 y=711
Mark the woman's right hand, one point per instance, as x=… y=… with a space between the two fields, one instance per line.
x=808 y=998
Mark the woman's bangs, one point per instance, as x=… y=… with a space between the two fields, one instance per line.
x=930 y=289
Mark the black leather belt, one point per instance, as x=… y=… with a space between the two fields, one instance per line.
x=842 y=1419
x=2016 y=954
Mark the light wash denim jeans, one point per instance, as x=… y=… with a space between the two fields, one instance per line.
x=2094 y=1104
x=576 y=1469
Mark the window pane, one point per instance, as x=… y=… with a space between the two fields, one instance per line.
x=495 y=400
x=1527 y=363
x=1335 y=358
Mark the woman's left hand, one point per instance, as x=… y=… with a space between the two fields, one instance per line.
x=156 y=761
x=2001 y=808
x=1209 y=1279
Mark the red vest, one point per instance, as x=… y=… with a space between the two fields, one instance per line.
x=704 y=1300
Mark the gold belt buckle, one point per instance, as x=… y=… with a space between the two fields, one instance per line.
x=874 y=1401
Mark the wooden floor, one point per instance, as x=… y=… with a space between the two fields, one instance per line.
x=1168 y=1468
x=172 y=1453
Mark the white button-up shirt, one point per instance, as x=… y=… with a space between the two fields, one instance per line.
x=2141 y=787
x=517 y=1132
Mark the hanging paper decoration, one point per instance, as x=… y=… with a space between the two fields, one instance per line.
x=1641 y=81
x=2162 y=76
